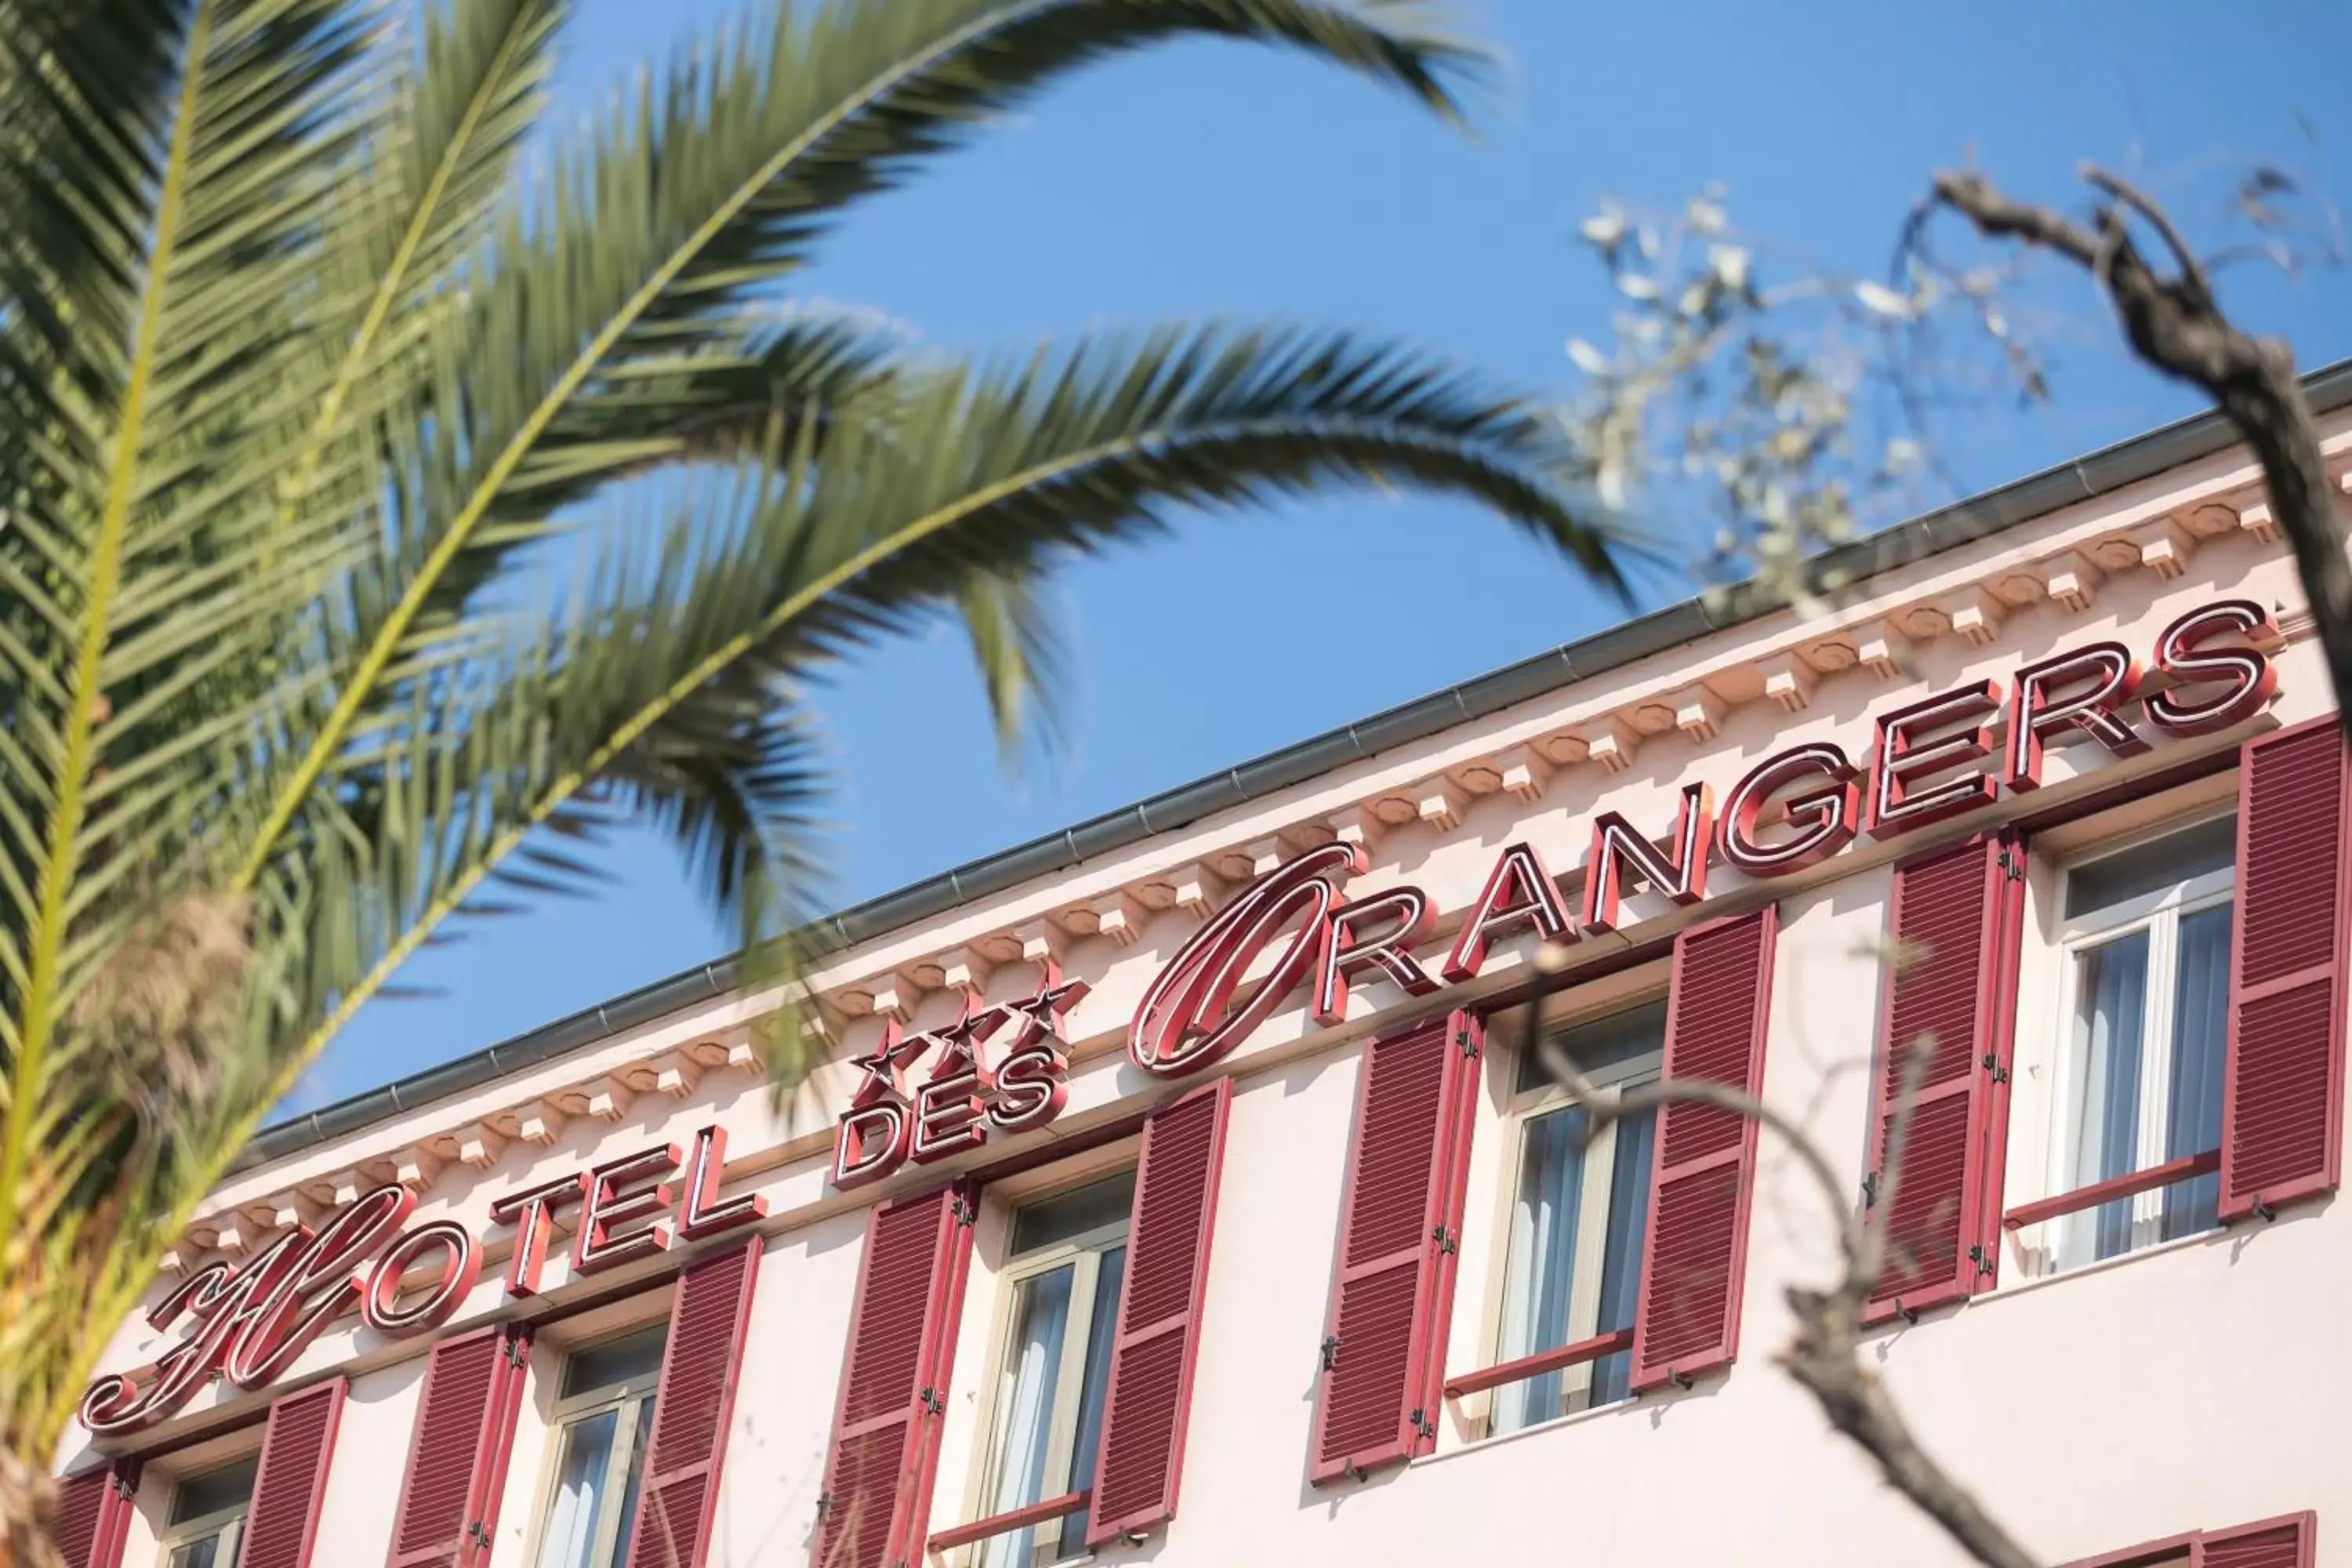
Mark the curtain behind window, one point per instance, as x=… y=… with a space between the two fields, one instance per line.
x=1027 y=1424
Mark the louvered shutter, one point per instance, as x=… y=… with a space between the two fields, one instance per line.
x=878 y=1481
x=1399 y=1238
x=93 y=1513
x=693 y=1405
x=1686 y=1321
x=1955 y=920
x=1142 y=1453
x=458 y=1449
x=283 y=1525
x=2289 y=1543
x=2282 y=1093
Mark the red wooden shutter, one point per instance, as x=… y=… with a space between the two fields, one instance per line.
x=693 y=1405
x=1956 y=918
x=2289 y=1543
x=2282 y=1091
x=1400 y=1234
x=877 y=1479
x=283 y=1525
x=1686 y=1321
x=93 y=1514
x=1142 y=1452
x=459 y=1450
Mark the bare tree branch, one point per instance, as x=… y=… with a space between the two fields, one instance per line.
x=1998 y=217
x=1824 y=1356
x=2176 y=326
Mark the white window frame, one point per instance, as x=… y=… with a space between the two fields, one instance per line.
x=2159 y=914
x=227 y=1524
x=626 y=1397
x=1086 y=1250
x=1609 y=1084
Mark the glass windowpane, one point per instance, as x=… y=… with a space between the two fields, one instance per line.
x=1572 y=1265
x=1621 y=1264
x=570 y=1537
x=2142 y=1055
x=1541 y=1260
x=1026 y=1398
x=2200 y=1030
x=640 y=1441
x=1602 y=1044
x=1109 y=1275
x=203 y=1552
x=614 y=1361
x=2109 y=1045
x=1048 y=1402
x=1075 y=1213
x=215 y=1490
x=2165 y=862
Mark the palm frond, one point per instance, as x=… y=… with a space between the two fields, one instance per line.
x=715 y=184
x=1022 y=655
x=300 y=367
x=683 y=636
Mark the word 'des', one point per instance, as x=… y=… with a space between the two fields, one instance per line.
x=963 y=1097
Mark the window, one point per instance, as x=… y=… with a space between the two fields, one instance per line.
x=2143 y=1025
x=602 y=1417
x=1573 y=1271
x=207 y=1516
x=1069 y=1258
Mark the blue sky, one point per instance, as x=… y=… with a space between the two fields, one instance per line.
x=1213 y=179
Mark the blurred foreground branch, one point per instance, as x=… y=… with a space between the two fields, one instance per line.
x=2176 y=325
x=1824 y=1356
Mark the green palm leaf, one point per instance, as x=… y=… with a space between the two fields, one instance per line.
x=717 y=184
x=384 y=520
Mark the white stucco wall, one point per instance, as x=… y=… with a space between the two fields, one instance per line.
x=2203 y=1383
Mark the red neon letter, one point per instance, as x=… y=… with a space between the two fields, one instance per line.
x=702 y=1215
x=461 y=1265
x=532 y=1214
x=870 y=1143
x=1519 y=892
x=872 y=1140
x=2104 y=676
x=1031 y=1084
x=1342 y=956
x=948 y=1112
x=606 y=1206
x=1822 y=816
x=224 y=1301
x=2183 y=654
x=321 y=1289
x=1032 y=1087
x=1682 y=877
x=1907 y=753
x=1185 y=1023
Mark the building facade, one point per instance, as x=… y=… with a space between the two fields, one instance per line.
x=1203 y=1185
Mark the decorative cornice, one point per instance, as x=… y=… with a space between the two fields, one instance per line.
x=1879 y=642
x=1875 y=639
x=476 y=1144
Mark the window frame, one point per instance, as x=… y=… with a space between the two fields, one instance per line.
x=2160 y=915
x=1521 y=1108
x=1084 y=1250
x=628 y=1397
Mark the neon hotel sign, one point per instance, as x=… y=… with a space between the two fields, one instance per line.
x=247 y=1323
x=1790 y=811
x=1931 y=760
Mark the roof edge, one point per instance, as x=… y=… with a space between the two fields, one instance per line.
x=1977 y=517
